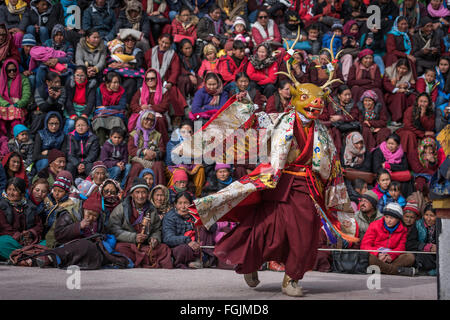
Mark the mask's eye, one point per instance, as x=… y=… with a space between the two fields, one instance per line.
x=304 y=97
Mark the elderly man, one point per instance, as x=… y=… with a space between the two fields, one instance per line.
x=56 y=163
x=367 y=212
x=426 y=46
x=137 y=228
x=95 y=179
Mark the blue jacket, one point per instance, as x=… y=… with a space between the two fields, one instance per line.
x=173 y=229
x=337 y=44
x=103 y=19
x=202 y=99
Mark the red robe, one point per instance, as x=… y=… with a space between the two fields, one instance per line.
x=283 y=228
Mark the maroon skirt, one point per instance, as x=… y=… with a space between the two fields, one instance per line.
x=286 y=232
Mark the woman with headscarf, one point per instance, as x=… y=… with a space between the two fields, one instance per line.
x=51 y=137
x=15 y=94
x=341 y=115
x=364 y=75
x=209 y=99
x=355 y=155
x=160 y=199
x=188 y=81
x=109 y=194
x=399 y=83
x=110 y=106
x=262 y=69
x=12 y=13
x=7 y=47
x=132 y=17
x=164 y=60
x=151 y=96
x=440 y=15
x=373 y=119
x=350 y=46
x=419 y=121
x=398 y=44
x=20 y=225
x=424 y=162
x=146 y=148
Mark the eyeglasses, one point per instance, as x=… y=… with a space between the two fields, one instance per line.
x=53 y=124
x=150 y=79
x=11 y=70
x=148 y=119
x=263 y=17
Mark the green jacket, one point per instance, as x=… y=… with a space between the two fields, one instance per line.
x=26 y=94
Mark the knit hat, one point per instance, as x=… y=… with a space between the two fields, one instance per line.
x=222 y=166
x=97 y=165
x=239 y=20
x=337 y=26
x=365 y=52
x=114 y=45
x=369 y=94
x=145 y=172
x=393 y=209
x=64 y=180
x=371 y=197
x=93 y=203
x=425 y=20
x=180 y=175
x=139 y=183
x=411 y=206
x=28 y=40
x=18 y=128
x=55 y=154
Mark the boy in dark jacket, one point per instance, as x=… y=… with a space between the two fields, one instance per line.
x=82 y=149
x=114 y=155
x=42 y=17
x=23 y=144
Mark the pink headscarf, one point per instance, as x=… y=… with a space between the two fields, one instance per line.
x=15 y=91
x=439 y=13
x=145 y=92
x=42 y=54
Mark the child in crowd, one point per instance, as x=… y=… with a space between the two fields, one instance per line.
x=209 y=64
x=114 y=155
x=428 y=83
x=240 y=33
x=23 y=144
x=149 y=176
x=394 y=195
x=180 y=184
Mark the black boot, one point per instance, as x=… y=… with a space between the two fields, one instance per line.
x=407 y=271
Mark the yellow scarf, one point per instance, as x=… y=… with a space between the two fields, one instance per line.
x=19 y=8
x=90 y=46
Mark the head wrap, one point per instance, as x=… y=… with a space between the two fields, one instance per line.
x=145 y=133
x=365 y=52
x=64 y=180
x=353 y=156
x=369 y=94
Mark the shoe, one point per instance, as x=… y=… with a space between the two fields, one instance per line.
x=44 y=261
x=197 y=264
x=275 y=266
x=290 y=287
x=251 y=279
x=407 y=271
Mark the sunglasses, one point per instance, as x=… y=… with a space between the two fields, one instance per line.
x=263 y=17
x=150 y=79
x=11 y=70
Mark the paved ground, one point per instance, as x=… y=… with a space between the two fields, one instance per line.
x=205 y=284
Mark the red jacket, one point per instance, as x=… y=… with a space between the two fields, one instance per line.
x=421 y=87
x=264 y=76
x=178 y=31
x=258 y=38
x=227 y=68
x=377 y=236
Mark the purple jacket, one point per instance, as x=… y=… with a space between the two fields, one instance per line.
x=202 y=99
x=111 y=154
